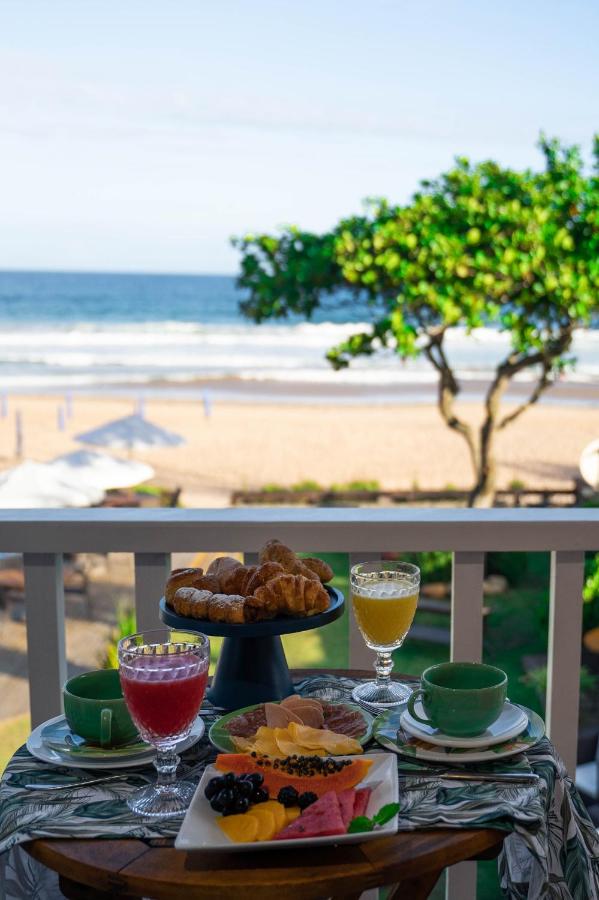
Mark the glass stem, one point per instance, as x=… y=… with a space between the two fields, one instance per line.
x=166 y=763
x=383 y=667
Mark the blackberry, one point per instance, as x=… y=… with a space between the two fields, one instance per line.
x=306 y=799
x=288 y=796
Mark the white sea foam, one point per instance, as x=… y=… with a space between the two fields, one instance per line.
x=88 y=355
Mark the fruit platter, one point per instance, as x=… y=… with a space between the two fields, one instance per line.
x=253 y=802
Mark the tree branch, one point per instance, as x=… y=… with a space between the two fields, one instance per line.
x=448 y=390
x=542 y=384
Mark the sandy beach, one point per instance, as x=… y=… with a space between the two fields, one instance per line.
x=248 y=445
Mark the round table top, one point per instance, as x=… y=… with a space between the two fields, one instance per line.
x=140 y=869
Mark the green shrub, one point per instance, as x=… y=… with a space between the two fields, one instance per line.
x=590 y=592
x=272 y=488
x=307 y=485
x=537 y=679
x=125 y=624
x=435 y=565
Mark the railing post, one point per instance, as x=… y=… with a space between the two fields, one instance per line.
x=467 y=577
x=46 y=658
x=467 y=606
x=360 y=656
x=563 y=654
x=151 y=572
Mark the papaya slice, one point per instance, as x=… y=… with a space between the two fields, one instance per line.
x=241 y=828
x=274 y=779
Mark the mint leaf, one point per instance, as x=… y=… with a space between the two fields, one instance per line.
x=385 y=813
x=360 y=823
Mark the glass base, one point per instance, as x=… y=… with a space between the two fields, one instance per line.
x=382 y=696
x=168 y=800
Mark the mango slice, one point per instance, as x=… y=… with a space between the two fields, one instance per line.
x=291 y=814
x=266 y=823
x=241 y=828
x=315 y=738
x=278 y=811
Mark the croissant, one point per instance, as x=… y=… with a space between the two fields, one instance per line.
x=319 y=566
x=288 y=595
x=222 y=564
x=184 y=578
x=275 y=551
x=234 y=581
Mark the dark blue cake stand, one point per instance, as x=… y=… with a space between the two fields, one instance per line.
x=251 y=666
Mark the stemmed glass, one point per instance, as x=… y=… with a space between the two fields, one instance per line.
x=384 y=599
x=163 y=675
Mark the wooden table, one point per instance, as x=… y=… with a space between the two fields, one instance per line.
x=125 y=868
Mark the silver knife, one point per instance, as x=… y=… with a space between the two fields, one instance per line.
x=496 y=777
x=75 y=785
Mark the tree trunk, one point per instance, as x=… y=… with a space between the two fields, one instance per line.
x=482 y=495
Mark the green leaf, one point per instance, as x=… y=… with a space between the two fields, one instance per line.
x=386 y=813
x=360 y=823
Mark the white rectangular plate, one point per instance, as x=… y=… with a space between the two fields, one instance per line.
x=200 y=831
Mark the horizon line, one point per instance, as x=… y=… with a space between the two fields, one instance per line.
x=132 y=272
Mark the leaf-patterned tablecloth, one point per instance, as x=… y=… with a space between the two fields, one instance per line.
x=551 y=851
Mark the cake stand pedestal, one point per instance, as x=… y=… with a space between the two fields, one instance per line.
x=251 y=666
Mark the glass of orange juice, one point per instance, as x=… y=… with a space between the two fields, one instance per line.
x=384 y=599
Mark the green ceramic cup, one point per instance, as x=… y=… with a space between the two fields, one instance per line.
x=460 y=698
x=95 y=708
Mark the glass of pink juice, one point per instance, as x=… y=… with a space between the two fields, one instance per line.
x=163 y=675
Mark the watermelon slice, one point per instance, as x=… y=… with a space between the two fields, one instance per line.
x=321 y=818
x=346 y=805
x=361 y=801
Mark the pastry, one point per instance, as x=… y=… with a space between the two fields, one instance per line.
x=190 y=602
x=275 y=551
x=222 y=564
x=227 y=608
x=181 y=578
x=288 y=595
x=319 y=566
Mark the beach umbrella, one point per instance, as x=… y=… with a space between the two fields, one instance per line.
x=100 y=470
x=589 y=464
x=34 y=485
x=131 y=432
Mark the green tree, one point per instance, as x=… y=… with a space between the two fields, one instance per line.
x=479 y=246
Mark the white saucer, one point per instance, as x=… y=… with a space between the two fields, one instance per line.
x=512 y=721
x=41 y=751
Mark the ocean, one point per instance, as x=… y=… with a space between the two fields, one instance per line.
x=184 y=333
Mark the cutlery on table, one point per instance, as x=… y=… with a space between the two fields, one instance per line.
x=458 y=775
x=75 y=785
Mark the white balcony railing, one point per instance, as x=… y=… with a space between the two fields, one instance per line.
x=152 y=535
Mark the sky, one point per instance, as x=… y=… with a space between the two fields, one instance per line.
x=140 y=135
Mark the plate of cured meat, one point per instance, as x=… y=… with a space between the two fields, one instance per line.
x=307 y=723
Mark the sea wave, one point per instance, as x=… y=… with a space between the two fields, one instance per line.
x=40 y=357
